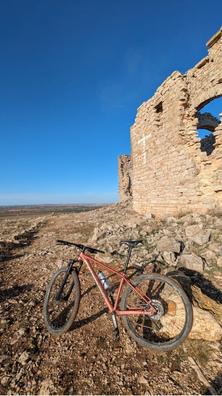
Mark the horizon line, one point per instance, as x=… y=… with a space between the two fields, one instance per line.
x=60 y=204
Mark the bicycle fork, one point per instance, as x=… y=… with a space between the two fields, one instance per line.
x=60 y=291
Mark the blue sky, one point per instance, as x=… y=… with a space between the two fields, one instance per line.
x=72 y=76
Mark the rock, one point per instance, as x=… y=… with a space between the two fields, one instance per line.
x=219 y=262
x=170 y=220
x=218 y=223
x=216 y=248
x=47 y=387
x=206 y=303
x=5 y=380
x=107 y=258
x=168 y=244
x=169 y=258
x=97 y=234
x=192 y=262
x=149 y=216
x=209 y=255
x=205 y=327
x=193 y=229
x=186 y=219
x=3 y=323
x=23 y=358
x=196 y=234
x=202 y=238
x=142 y=380
x=4 y=358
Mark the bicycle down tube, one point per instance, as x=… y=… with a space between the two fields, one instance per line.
x=88 y=260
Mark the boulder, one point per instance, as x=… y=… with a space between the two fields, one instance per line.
x=209 y=255
x=202 y=237
x=192 y=261
x=207 y=303
x=205 y=327
x=196 y=234
x=169 y=244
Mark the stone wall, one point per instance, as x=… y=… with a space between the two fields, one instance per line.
x=125 y=185
x=171 y=171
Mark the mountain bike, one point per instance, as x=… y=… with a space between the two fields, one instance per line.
x=154 y=308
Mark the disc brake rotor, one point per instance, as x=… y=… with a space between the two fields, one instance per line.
x=159 y=310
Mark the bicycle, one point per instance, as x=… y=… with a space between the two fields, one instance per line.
x=155 y=310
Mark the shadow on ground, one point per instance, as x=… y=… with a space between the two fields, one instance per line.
x=14 y=291
x=216 y=384
x=188 y=278
x=83 y=322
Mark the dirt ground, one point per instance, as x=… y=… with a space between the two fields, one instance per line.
x=86 y=360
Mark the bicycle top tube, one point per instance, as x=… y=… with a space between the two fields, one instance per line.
x=80 y=246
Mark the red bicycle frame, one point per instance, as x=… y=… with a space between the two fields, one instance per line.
x=114 y=308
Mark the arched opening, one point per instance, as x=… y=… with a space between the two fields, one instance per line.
x=209 y=117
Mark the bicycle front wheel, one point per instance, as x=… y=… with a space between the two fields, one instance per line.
x=61 y=305
x=171 y=323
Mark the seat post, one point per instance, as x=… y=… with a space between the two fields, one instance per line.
x=127 y=259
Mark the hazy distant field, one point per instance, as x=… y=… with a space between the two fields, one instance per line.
x=39 y=210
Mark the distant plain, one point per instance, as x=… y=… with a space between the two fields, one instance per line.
x=39 y=210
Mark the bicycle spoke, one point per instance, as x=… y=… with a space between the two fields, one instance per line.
x=169 y=319
x=59 y=310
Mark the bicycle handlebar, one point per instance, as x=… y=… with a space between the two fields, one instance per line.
x=79 y=246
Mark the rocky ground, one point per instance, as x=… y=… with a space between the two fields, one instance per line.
x=87 y=360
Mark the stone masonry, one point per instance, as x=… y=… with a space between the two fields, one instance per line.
x=174 y=171
x=125 y=168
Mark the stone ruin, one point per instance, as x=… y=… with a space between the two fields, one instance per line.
x=171 y=170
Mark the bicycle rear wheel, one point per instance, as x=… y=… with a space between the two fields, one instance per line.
x=173 y=319
x=61 y=306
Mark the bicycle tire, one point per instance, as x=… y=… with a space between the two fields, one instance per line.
x=52 y=328
x=155 y=343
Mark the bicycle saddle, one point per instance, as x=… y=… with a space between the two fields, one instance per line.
x=132 y=244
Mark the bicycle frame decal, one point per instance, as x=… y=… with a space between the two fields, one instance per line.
x=90 y=261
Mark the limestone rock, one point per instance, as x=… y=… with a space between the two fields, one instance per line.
x=203 y=301
x=97 y=234
x=196 y=234
x=170 y=220
x=149 y=216
x=219 y=262
x=47 y=387
x=218 y=223
x=216 y=248
x=192 y=262
x=202 y=238
x=24 y=357
x=209 y=255
x=205 y=326
x=169 y=258
x=169 y=244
